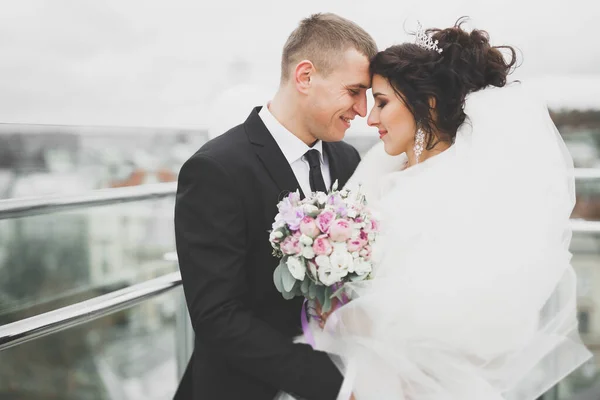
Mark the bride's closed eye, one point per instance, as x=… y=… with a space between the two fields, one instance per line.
x=381 y=104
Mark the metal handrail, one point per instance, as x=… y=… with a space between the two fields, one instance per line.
x=44 y=324
x=584 y=226
x=587 y=173
x=29 y=206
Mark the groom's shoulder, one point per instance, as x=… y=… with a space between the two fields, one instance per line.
x=347 y=147
x=348 y=151
x=226 y=148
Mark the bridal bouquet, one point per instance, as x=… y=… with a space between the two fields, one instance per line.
x=324 y=241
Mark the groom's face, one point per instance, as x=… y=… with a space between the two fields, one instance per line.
x=336 y=99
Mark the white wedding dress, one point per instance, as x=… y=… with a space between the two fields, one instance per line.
x=473 y=296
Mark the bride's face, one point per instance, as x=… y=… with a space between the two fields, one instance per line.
x=392 y=118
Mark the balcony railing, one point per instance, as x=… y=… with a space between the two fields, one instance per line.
x=16 y=333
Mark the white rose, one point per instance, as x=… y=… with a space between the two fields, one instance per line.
x=308 y=252
x=323 y=262
x=306 y=240
x=296 y=268
x=343 y=262
x=362 y=267
x=328 y=276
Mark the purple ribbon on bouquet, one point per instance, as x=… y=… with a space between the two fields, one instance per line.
x=346 y=389
x=310 y=339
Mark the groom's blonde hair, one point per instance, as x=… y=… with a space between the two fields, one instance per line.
x=322 y=38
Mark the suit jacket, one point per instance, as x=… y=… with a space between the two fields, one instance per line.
x=226 y=202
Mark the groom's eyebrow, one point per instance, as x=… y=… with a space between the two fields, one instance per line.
x=358 y=86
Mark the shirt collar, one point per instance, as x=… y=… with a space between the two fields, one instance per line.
x=291 y=146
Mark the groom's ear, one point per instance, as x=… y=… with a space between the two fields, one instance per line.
x=303 y=75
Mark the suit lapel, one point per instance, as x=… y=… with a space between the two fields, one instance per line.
x=270 y=154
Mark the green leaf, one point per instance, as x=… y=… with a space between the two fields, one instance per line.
x=298 y=289
x=312 y=290
x=287 y=279
x=321 y=294
x=338 y=292
x=277 y=277
x=305 y=286
x=358 y=278
x=327 y=305
x=288 y=295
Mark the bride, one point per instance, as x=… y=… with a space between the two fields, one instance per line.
x=473 y=295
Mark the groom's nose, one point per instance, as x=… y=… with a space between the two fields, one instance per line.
x=360 y=107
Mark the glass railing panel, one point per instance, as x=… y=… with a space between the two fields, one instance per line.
x=129 y=355
x=54 y=260
x=584 y=383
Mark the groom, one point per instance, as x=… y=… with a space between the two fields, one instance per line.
x=226 y=202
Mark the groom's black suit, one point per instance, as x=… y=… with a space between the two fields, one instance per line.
x=227 y=199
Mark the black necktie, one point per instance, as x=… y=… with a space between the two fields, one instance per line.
x=314 y=175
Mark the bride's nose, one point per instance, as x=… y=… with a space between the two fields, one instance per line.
x=373 y=120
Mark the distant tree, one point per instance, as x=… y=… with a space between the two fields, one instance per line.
x=576 y=118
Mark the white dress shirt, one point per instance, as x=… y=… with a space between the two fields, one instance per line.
x=294 y=149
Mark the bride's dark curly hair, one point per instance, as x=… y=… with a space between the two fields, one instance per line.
x=467 y=64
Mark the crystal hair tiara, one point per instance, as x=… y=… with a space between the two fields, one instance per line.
x=423 y=40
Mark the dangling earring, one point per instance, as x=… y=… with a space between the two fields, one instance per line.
x=419 y=140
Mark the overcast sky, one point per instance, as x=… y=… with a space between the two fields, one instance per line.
x=170 y=63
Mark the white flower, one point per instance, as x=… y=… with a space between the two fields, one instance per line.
x=321 y=198
x=362 y=267
x=340 y=247
x=309 y=209
x=296 y=268
x=306 y=240
x=308 y=253
x=341 y=261
x=371 y=237
x=278 y=223
x=328 y=276
x=323 y=262
x=351 y=213
x=275 y=236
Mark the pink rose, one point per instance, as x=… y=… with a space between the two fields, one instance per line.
x=291 y=246
x=324 y=220
x=308 y=226
x=355 y=245
x=364 y=236
x=366 y=252
x=372 y=226
x=322 y=246
x=340 y=230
